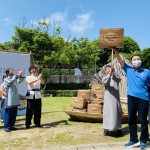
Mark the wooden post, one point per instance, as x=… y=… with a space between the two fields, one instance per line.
x=112 y=58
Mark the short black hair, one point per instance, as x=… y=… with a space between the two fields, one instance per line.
x=107 y=66
x=4 y=76
x=31 y=67
x=134 y=55
x=7 y=71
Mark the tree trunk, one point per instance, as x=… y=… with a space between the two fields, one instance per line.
x=70 y=73
x=88 y=69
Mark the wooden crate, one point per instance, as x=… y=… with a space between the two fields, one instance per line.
x=79 y=110
x=97 y=89
x=94 y=108
x=99 y=95
x=97 y=101
x=78 y=102
x=86 y=94
x=111 y=37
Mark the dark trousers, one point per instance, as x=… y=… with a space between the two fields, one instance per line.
x=2 y=109
x=141 y=106
x=10 y=117
x=34 y=106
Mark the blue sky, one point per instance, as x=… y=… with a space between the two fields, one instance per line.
x=80 y=18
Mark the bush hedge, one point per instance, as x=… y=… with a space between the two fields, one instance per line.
x=60 y=93
x=66 y=86
x=64 y=71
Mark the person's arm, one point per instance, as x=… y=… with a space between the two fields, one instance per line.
x=116 y=77
x=21 y=79
x=149 y=82
x=106 y=80
x=2 y=89
x=29 y=81
x=42 y=81
x=12 y=80
x=119 y=58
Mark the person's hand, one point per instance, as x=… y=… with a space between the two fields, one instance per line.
x=40 y=76
x=20 y=73
x=112 y=69
x=114 y=49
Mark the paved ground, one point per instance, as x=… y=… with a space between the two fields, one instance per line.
x=100 y=146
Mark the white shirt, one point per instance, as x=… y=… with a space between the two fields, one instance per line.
x=35 y=85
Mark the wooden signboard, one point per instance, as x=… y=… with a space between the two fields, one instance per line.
x=111 y=37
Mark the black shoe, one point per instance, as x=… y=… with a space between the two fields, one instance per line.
x=105 y=132
x=38 y=125
x=119 y=133
x=13 y=128
x=7 y=130
x=27 y=127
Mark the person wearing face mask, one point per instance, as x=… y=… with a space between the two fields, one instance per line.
x=138 y=80
x=11 y=98
x=112 y=111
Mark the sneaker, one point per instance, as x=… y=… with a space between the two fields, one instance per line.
x=7 y=130
x=2 y=121
x=132 y=144
x=143 y=146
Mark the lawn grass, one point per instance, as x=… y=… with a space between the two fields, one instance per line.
x=57 y=129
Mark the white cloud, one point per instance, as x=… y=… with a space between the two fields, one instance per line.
x=82 y=23
x=7 y=21
x=57 y=17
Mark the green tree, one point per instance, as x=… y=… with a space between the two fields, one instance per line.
x=129 y=45
x=146 y=58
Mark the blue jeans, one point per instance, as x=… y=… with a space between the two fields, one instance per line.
x=141 y=106
x=10 y=117
x=2 y=109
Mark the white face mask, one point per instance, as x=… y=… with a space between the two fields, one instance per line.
x=136 y=63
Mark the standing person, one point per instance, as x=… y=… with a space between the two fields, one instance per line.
x=2 y=89
x=34 y=103
x=138 y=79
x=112 y=111
x=12 y=98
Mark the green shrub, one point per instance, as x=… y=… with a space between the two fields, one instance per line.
x=66 y=86
x=60 y=93
x=64 y=71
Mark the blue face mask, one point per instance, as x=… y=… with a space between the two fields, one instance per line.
x=136 y=63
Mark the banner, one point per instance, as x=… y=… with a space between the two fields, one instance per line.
x=16 y=61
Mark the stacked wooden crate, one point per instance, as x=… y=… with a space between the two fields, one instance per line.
x=90 y=101
x=80 y=102
x=97 y=94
